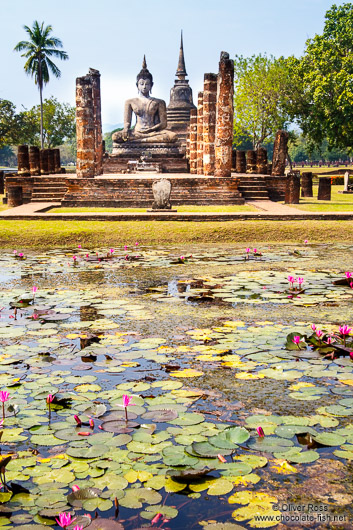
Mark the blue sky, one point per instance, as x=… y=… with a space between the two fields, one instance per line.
x=112 y=36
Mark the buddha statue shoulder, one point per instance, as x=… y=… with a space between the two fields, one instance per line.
x=151 y=115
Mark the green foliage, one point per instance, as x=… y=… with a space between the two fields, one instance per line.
x=108 y=139
x=323 y=106
x=58 y=121
x=301 y=149
x=261 y=84
x=15 y=128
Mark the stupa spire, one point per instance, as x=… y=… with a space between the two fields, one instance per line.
x=144 y=64
x=181 y=71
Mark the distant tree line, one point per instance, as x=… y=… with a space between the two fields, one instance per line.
x=312 y=94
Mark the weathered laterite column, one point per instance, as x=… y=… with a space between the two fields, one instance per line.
x=306 y=181
x=57 y=161
x=200 y=134
x=261 y=161
x=280 y=153
x=193 y=141
x=2 y=182
x=224 y=117
x=324 y=191
x=44 y=159
x=209 y=122
x=97 y=117
x=240 y=161
x=292 y=192
x=51 y=161
x=85 y=166
x=251 y=162
x=23 y=161
x=34 y=162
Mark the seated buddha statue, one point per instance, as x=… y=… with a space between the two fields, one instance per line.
x=151 y=115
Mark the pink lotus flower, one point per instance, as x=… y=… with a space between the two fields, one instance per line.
x=260 y=432
x=126 y=257
x=4 y=396
x=15 y=251
x=348 y=275
x=351 y=285
x=50 y=398
x=64 y=520
x=330 y=340
x=79 y=246
x=344 y=332
x=296 y=339
x=74 y=258
x=127 y=403
x=125 y=247
x=291 y=280
x=136 y=244
x=78 y=527
x=75 y=488
x=247 y=250
x=91 y=423
x=300 y=281
x=319 y=333
x=156 y=518
x=255 y=250
x=111 y=250
x=20 y=254
x=305 y=241
x=34 y=290
x=313 y=327
x=351 y=355
x=77 y=420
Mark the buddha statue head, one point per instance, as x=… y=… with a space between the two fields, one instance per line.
x=144 y=80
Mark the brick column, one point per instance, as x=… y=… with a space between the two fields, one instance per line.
x=224 y=117
x=240 y=161
x=85 y=167
x=200 y=133
x=261 y=161
x=51 y=162
x=34 y=162
x=209 y=122
x=292 y=189
x=23 y=161
x=57 y=162
x=97 y=116
x=279 y=153
x=251 y=162
x=43 y=159
x=306 y=182
x=324 y=191
x=193 y=141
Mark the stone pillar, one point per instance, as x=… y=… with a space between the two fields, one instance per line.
x=200 y=133
x=14 y=196
x=2 y=183
x=234 y=160
x=44 y=160
x=57 y=161
x=279 y=153
x=324 y=192
x=51 y=161
x=251 y=162
x=292 y=189
x=306 y=181
x=193 y=141
x=34 y=160
x=240 y=161
x=85 y=166
x=209 y=123
x=23 y=161
x=97 y=117
x=224 y=117
x=261 y=161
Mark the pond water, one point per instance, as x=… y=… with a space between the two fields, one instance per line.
x=201 y=339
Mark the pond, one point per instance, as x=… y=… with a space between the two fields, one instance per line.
x=205 y=387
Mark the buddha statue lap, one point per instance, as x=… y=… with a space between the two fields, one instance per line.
x=151 y=116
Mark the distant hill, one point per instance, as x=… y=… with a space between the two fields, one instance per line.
x=109 y=127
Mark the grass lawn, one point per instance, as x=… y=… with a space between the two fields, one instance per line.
x=48 y=234
x=323 y=169
x=2 y=206
x=339 y=202
x=184 y=208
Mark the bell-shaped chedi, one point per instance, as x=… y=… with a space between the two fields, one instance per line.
x=178 y=110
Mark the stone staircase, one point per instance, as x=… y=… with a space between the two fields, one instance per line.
x=253 y=187
x=51 y=188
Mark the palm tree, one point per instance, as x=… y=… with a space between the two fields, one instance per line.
x=38 y=51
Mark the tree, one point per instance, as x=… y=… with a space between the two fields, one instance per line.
x=324 y=107
x=16 y=128
x=38 y=52
x=58 y=121
x=260 y=89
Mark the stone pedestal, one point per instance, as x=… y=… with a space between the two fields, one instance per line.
x=346 y=181
x=240 y=161
x=34 y=161
x=324 y=192
x=261 y=161
x=44 y=161
x=209 y=123
x=193 y=142
x=280 y=153
x=251 y=162
x=306 y=181
x=2 y=181
x=23 y=161
x=292 y=189
x=51 y=161
x=200 y=133
x=224 y=117
x=14 y=196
